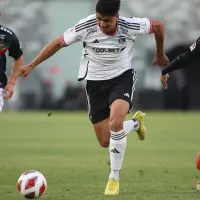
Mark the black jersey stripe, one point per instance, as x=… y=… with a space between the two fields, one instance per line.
x=88 y=26
x=129 y=24
x=85 y=23
x=129 y=27
x=121 y=36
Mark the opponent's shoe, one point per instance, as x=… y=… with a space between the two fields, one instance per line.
x=112 y=187
x=141 y=132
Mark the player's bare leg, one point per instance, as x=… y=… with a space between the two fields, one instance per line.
x=117 y=147
x=102 y=130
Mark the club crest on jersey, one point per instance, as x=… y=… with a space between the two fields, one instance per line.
x=122 y=40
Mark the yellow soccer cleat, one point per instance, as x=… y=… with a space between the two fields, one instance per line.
x=112 y=187
x=141 y=132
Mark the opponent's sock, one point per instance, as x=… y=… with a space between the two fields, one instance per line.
x=117 y=149
x=131 y=125
x=1 y=99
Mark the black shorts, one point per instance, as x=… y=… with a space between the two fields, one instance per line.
x=101 y=94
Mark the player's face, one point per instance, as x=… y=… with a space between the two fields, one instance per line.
x=107 y=24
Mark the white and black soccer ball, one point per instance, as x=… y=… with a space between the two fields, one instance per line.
x=32 y=184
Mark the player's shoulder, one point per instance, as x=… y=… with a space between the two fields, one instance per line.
x=86 y=23
x=7 y=33
x=129 y=20
x=6 y=30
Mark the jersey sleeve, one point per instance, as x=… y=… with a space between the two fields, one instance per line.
x=70 y=36
x=195 y=48
x=79 y=31
x=15 y=49
x=137 y=26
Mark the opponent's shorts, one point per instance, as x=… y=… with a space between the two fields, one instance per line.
x=101 y=94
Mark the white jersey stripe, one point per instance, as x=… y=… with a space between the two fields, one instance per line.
x=134 y=82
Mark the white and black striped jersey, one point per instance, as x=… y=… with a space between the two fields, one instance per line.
x=106 y=56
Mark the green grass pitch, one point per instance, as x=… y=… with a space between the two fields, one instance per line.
x=64 y=148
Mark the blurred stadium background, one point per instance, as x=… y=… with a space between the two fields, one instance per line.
x=64 y=146
x=54 y=84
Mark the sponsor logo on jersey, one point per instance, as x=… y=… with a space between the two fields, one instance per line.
x=108 y=50
x=95 y=41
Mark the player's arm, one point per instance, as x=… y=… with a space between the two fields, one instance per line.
x=48 y=51
x=17 y=63
x=143 y=26
x=68 y=37
x=180 y=62
x=184 y=59
x=15 y=51
x=157 y=28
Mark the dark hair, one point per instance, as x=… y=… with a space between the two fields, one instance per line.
x=108 y=7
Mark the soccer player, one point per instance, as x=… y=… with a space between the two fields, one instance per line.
x=106 y=64
x=10 y=42
x=180 y=62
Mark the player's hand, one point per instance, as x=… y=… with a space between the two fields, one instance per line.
x=163 y=79
x=8 y=91
x=25 y=70
x=161 y=60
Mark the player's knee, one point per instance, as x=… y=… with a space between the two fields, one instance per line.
x=104 y=143
x=116 y=123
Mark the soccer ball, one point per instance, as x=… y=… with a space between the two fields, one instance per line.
x=32 y=184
